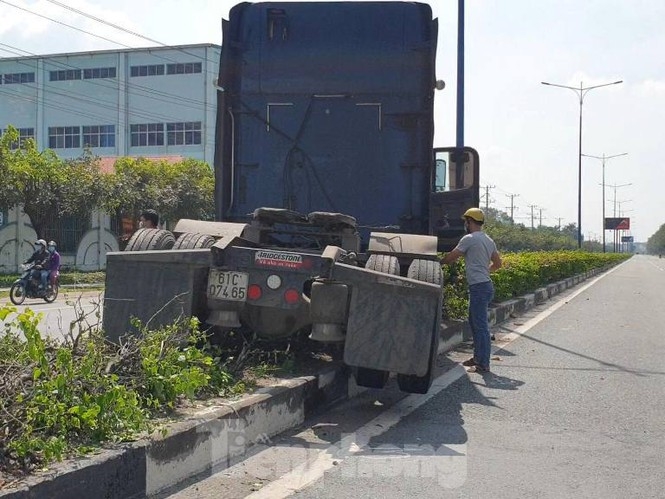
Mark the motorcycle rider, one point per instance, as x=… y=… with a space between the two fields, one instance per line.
x=53 y=265
x=40 y=258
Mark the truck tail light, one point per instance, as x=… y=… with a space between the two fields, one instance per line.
x=291 y=296
x=254 y=292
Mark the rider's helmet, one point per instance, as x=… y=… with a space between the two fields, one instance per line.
x=40 y=242
x=52 y=246
x=475 y=214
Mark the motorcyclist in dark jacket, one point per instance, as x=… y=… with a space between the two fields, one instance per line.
x=40 y=258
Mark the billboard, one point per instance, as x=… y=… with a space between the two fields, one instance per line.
x=627 y=239
x=617 y=223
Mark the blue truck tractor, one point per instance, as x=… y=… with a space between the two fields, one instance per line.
x=331 y=202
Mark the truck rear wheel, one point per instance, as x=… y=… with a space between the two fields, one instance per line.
x=426 y=271
x=193 y=240
x=150 y=240
x=387 y=264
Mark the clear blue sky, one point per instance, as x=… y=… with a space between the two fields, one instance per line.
x=526 y=133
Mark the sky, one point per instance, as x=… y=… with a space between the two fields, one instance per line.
x=526 y=133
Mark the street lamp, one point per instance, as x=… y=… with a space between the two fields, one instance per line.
x=604 y=158
x=581 y=92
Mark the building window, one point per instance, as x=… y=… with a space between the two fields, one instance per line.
x=149 y=134
x=64 y=137
x=150 y=70
x=19 y=78
x=99 y=136
x=67 y=231
x=23 y=135
x=184 y=68
x=66 y=74
x=187 y=133
x=89 y=74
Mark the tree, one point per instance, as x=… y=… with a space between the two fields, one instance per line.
x=178 y=190
x=45 y=184
x=656 y=243
x=517 y=237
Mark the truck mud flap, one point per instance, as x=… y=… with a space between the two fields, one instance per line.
x=156 y=287
x=391 y=320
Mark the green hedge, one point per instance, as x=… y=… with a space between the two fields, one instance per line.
x=523 y=273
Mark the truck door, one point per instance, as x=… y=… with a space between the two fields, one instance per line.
x=455 y=185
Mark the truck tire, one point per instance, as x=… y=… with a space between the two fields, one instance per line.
x=371 y=378
x=150 y=240
x=426 y=271
x=387 y=264
x=193 y=240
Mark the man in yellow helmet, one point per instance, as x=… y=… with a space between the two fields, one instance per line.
x=480 y=258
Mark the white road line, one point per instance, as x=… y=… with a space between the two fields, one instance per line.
x=658 y=267
x=314 y=469
x=550 y=310
x=309 y=472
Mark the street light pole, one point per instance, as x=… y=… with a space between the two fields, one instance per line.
x=604 y=158
x=581 y=93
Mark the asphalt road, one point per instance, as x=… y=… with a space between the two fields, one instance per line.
x=573 y=407
x=80 y=308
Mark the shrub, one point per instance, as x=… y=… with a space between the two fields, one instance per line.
x=522 y=273
x=61 y=399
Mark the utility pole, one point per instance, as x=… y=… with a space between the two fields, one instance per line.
x=622 y=213
x=512 y=206
x=615 y=187
x=604 y=158
x=540 y=223
x=487 y=196
x=532 y=206
x=559 y=222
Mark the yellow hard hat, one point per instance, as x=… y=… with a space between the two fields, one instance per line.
x=475 y=213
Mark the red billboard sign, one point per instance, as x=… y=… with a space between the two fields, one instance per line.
x=617 y=224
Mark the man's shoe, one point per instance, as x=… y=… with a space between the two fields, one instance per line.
x=470 y=362
x=493 y=337
x=479 y=369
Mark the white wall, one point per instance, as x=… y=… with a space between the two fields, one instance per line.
x=17 y=238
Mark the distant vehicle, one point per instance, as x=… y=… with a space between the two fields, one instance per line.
x=331 y=202
x=28 y=286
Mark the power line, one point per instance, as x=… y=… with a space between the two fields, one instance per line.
x=64 y=24
x=118 y=27
x=140 y=89
x=102 y=21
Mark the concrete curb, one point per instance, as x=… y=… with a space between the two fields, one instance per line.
x=219 y=436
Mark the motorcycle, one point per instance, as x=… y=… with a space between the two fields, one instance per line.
x=29 y=286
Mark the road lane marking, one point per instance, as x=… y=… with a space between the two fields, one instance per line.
x=313 y=470
x=659 y=268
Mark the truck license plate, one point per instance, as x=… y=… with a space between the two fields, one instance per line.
x=225 y=285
